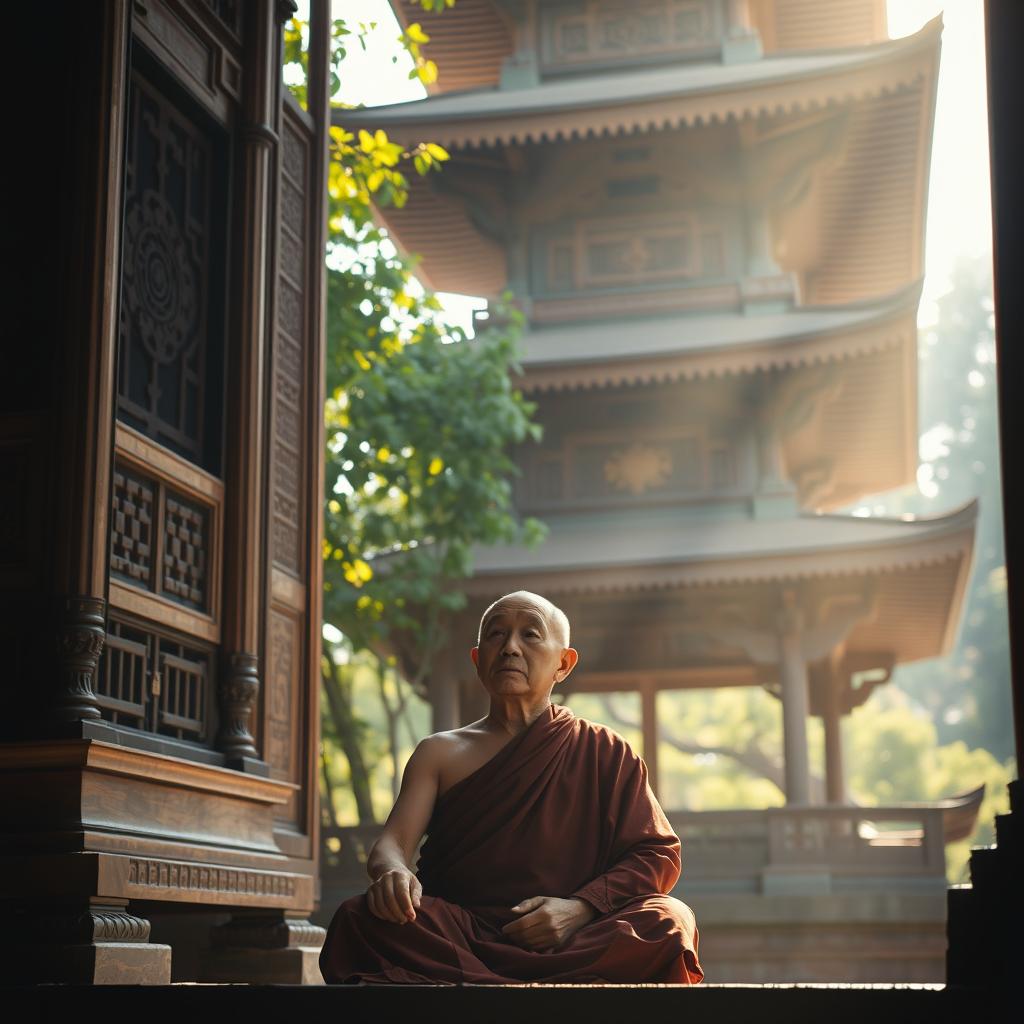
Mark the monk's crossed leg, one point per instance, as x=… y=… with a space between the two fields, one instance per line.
x=648 y=936
x=421 y=950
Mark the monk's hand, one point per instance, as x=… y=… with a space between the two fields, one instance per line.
x=547 y=922
x=394 y=895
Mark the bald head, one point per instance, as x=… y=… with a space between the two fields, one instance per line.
x=557 y=620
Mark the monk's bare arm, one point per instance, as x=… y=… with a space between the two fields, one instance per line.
x=395 y=890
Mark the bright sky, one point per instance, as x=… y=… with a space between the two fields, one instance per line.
x=959 y=216
x=959 y=210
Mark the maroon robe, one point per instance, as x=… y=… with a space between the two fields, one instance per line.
x=563 y=809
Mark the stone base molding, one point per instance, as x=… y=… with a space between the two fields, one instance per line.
x=88 y=943
x=265 y=948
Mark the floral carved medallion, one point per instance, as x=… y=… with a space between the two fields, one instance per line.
x=639 y=468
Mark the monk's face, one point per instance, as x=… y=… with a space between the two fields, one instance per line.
x=521 y=651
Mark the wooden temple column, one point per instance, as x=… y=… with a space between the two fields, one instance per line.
x=742 y=41
x=265 y=618
x=519 y=69
x=445 y=686
x=795 y=701
x=805 y=630
x=85 y=358
x=827 y=682
x=649 y=724
x=473 y=700
x=444 y=701
x=835 y=781
x=243 y=562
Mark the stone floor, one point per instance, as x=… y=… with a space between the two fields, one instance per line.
x=589 y=1004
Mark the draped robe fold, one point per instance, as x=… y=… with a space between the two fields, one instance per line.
x=563 y=809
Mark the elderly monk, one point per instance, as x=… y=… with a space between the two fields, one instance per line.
x=547 y=856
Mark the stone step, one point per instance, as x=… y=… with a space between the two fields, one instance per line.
x=590 y=1004
x=1007 y=834
x=984 y=867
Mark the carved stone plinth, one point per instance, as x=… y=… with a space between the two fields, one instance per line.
x=97 y=943
x=265 y=949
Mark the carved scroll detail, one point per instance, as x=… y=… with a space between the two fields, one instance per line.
x=81 y=632
x=95 y=923
x=238 y=691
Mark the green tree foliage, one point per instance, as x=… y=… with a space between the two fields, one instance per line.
x=418 y=420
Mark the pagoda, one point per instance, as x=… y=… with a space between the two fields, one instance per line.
x=711 y=213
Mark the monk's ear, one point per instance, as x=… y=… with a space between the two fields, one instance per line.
x=569 y=658
x=474 y=653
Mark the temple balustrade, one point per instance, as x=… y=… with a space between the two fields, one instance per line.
x=767 y=851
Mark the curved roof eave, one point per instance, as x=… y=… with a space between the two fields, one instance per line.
x=607 y=556
x=704 y=345
x=655 y=98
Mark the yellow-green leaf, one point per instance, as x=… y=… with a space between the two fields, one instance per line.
x=428 y=72
x=416 y=34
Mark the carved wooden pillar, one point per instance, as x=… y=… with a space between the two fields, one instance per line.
x=795 y=701
x=649 y=720
x=444 y=702
x=289 y=144
x=520 y=69
x=243 y=561
x=835 y=781
x=80 y=632
x=473 y=700
x=741 y=42
x=829 y=682
x=82 y=438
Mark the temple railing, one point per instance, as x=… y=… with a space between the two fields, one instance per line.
x=811 y=847
x=777 y=850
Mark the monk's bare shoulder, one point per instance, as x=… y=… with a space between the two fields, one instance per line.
x=458 y=753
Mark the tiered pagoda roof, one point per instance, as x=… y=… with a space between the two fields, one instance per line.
x=858 y=234
x=824 y=134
